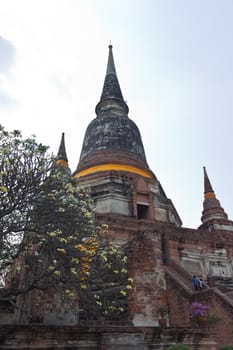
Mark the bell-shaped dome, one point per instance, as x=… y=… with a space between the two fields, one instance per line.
x=112 y=138
x=111 y=132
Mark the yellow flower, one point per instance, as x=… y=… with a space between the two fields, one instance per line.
x=88 y=215
x=104 y=226
x=129 y=286
x=123 y=292
x=61 y=250
x=69 y=187
x=57 y=273
x=52 y=234
x=64 y=240
x=3 y=189
x=111 y=307
x=80 y=247
x=130 y=279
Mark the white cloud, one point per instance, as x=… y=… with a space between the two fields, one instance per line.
x=55 y=42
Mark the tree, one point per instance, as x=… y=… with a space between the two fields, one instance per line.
x=57 y=252
x=24 y=167
x=50 y=241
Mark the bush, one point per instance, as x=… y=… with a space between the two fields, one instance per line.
x=227 y=347
x=178 y=346
x=162 y=310
x=212 y=320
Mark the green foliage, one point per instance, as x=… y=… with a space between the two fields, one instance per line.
x=162 y=310
x=212 y=320
x=178 y=346
x=227 y=347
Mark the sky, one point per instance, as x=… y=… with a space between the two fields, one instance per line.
x=174 y=61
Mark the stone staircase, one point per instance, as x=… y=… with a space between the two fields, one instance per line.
x=180 y=274
x=223 y=283
x=220 y=304
x=183 y=278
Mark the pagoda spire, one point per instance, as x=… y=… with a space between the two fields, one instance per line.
x=61 y=158
x=111 y=97
x=208 y=190
x=110 y=65
x=213 y=215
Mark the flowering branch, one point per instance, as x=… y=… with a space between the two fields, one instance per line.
x=197 y=309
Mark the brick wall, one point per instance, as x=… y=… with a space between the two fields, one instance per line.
x=96 y=337
x=149 y=281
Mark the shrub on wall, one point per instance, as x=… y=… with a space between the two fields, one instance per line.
x=178 y=346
